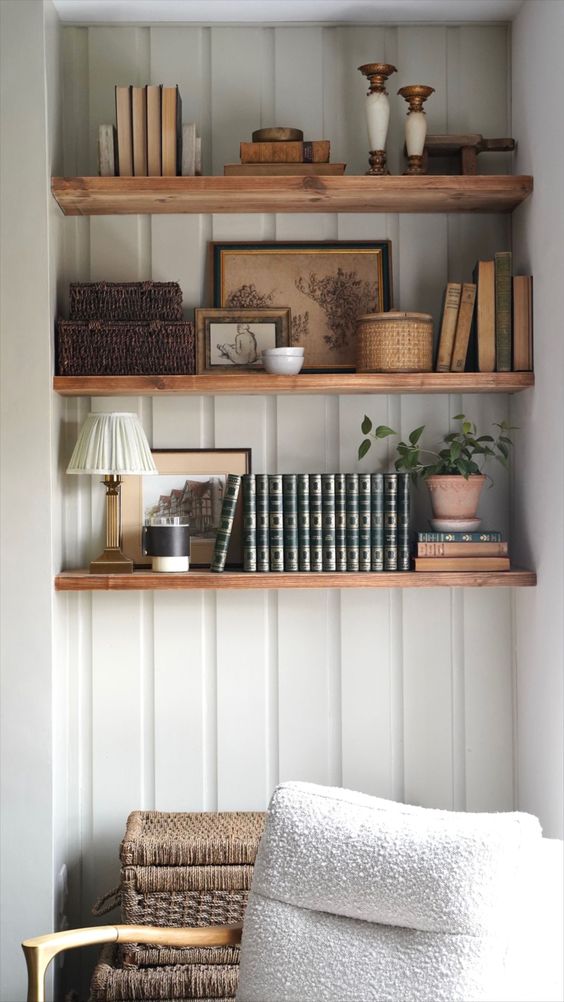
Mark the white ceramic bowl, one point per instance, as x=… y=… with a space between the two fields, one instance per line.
x=282 y=365
x=280 y=352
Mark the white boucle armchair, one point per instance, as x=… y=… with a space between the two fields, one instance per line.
x=355 y=898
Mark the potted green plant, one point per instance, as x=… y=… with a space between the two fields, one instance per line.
x=454 y=474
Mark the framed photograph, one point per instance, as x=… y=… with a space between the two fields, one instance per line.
x=325 y=285
x=189 y=482
x=231 y=340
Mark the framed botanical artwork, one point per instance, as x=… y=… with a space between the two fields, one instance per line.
x=189 y=482
x=325 y=285
x=232 y=339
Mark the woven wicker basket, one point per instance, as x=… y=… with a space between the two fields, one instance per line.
x=125 y=348
x=206 y=838
x=110 y=982
x=125 y=301
x=394 y=342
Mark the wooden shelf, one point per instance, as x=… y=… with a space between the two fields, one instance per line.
x=253 y=383
x=99 y=196
x=206 y=580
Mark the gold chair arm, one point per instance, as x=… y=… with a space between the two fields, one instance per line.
x=40 y=951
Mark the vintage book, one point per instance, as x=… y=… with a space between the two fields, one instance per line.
x=226 y=522
x=290 y=521
x=364 y=506
x=462 y=563
x=249 y=522
x=198 y=157
x=329 y=556
x=463 y=327
x=304 y=563
x=316 y=151
x=278 y=170
x=124 y=131
x=404 y=513
x=352 y=520
x=503 y=337
x=462 y=549
x=171 y=132
x=154 y=130
x=189 y=149
x=486 y=536
x=340 y=523
x=276 y=522
x=522 y=323
x=448 y=325
x=107 y=150
x=262 y=513
x=390 y=521
x=139 y=128
x=484 y=318
x=315 y=523
x=377 y=521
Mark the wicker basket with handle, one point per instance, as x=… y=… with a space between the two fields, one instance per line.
x=394 y=342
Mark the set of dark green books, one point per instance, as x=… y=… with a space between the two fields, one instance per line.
x=326 y=522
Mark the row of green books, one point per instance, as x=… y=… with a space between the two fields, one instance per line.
x=325 y=522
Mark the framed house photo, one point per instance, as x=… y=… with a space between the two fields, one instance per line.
x=325 y=285
x=189 y=482
x=230 y=340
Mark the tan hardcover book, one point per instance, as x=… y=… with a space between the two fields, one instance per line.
x=463 y=327
x=171 y=128
x=462 y=563
x=522 y=323
x=282 y=170
x=154 y=130
x=139 y=125
x=484 y=276
x=448 y=325
x=462 y=549
x=124 y=131
x=315 y=151
x=107 y=144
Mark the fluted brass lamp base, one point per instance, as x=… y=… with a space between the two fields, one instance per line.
x=112 y=561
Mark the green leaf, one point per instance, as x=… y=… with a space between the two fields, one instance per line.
x=455 y=450
x=382 y=431
x=467 y=427
x=366 y=426
x=503 y=449
x=459 y=417
x=416 y=435
x=363 y=448
x=485 y=438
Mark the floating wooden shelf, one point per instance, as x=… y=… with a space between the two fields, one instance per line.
x=206 y=580
x=253 y=383
x=99 y=196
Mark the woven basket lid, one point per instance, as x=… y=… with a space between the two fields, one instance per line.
x=156 y=838
x=395 y=315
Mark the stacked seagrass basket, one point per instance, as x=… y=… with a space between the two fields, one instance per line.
x=180 y=870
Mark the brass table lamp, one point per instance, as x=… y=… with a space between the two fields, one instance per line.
x=112 y=445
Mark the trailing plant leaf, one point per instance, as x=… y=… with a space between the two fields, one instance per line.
x=366 y=426
x=363 y=448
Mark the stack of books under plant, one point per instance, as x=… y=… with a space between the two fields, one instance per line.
x=283 y=151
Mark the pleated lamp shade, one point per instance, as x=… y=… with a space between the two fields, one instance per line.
x=112 y=443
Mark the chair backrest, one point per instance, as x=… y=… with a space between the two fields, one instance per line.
x=358 y=898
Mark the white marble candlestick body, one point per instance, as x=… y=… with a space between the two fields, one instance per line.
x=415 y=133
x=378 y=119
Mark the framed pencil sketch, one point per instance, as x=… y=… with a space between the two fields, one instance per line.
x=231 y=340
x=189 y=482
x=325 y=285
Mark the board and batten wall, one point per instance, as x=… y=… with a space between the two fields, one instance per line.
x=205 y=701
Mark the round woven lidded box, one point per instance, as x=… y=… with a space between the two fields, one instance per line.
x=394 y=342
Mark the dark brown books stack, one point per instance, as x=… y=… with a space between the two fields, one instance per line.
x=149 y=139
x=461 y=551
x=284 y=157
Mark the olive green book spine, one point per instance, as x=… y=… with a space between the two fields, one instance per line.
x=364 y=557
x=404 y=515
x=390 y=521
x=328 y=521
x=340 y=523
x=503 y=332
x=228 y=509
x=262 y=512
x=304 y=563
x=290 y=520
x=377 y=521
x=351 y=487
x=276 y=522
x=315 y=523
x=249 y=523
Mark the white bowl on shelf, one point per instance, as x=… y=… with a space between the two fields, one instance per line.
x=283 y=352
x=455 y=524
x=282 y=365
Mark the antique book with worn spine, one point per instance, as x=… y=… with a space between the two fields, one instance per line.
x=351 y=488
x=329 y=556
x=503 y=327
x=364 y=506
x=463 y=327
x=486 y=536
x=404 y=512
x=340 y=523
x=226 y=521
x=124 y=131
x=262 y=516
x=304 y=561
x=462 y=549
x=315 y=523
x=484 y=319
x=171 y=132
x=390 y=521
x=462 y=563
x=282 y=169
x=139 y=127
x=276 y=521
x=448 y=325
x=309 y=151
x=249 y=523
x=522 y=323
x=290 y=520
x=154 y=130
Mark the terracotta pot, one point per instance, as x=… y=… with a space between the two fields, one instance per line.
x=454 y=496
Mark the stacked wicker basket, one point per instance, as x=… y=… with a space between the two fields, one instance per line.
x=180 y=870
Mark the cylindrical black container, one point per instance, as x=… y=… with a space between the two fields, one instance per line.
x=168 y=543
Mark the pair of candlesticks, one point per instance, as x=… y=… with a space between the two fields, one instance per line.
x=378 y=117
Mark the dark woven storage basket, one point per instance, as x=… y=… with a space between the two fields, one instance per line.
x=125 y=348
x=110 y=982
x=161 y=838
x=182 y=908
x=125 y=301
x=132 y=956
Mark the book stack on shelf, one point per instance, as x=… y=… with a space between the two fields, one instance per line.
x=462 y=551
x=272 y=153
x=148 y=139
x=487 y=324
x=320 y=522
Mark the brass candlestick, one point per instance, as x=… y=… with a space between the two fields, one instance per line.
x=377 y=113
x=415 y=125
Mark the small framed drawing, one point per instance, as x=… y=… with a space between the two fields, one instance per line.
x=325 y=285
x=232 y=339
x=190 y=482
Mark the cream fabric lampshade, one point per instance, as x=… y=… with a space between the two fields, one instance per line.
x=112 y=443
